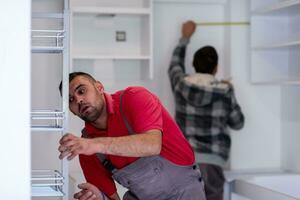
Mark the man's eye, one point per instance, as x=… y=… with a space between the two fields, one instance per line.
x=81 y=91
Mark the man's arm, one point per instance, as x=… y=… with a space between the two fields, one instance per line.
x=136 y=145
x=177 y=70
x=236 y=117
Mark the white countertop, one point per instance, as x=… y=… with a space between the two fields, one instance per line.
x=265 y=184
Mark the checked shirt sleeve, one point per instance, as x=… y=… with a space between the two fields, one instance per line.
x=236 y=117
x=177 y=70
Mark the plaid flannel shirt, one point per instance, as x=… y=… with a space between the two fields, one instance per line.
x=204 y=111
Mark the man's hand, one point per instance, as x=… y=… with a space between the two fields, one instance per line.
x=188 y=28
x=71 y=146
x=88 y=192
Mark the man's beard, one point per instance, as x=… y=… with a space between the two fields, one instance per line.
x=92 y=116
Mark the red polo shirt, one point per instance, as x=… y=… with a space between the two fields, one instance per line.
x=144 y=112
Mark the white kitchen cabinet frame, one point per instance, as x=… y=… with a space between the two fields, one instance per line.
x=275 y=42
x=51 y=40
x=115 y=31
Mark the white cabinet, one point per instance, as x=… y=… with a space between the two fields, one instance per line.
x=49 y=115
x=275 y=41
x=15 y=101
x=112 y=33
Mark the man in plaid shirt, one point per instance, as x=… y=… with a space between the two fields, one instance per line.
x=205 y=108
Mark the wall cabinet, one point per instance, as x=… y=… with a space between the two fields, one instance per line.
x=112 y=34
x=49 y=115
x=275 y=41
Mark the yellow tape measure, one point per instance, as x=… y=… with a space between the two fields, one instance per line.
x=223 y=24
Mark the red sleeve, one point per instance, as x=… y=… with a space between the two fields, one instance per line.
x=142 y=109
x=96 y=174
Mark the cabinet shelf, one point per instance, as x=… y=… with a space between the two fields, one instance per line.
x=41 y=15
x=112 y=32
x=282 y=45
x=113 y=11
x=47 y=41
x=47 y=114
x=295 y=82
x=110 y=57
x=50 y=33
x=280 y=8
x=277 y=82
x=45 y=192
x=275 y=42
x=36 y=128
x=46 y=183
x=46 y=49
x=41 y=117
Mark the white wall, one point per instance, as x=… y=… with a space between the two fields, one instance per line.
x=290 y=127
x=15 y=99
x=258 y=144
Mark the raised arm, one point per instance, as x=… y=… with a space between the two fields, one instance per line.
x=177 y=70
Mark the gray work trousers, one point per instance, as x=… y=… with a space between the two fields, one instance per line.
x=214 y=180
x=155 y=178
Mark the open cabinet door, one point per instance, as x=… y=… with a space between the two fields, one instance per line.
x=15 y=99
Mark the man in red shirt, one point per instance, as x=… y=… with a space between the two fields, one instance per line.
x=131 y=138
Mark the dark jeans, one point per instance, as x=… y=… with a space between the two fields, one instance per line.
x=213 y=181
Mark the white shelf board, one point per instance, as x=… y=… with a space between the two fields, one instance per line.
x=277 y=82
x=279 y=8
x=106 y=10
x=193 y=1
x=41 y=49
x=110 y=57
x=296 y=82
x=231 y=175
x=45 y=192
x=278 y=45
x=47 y=15
x=46 y=183
x=43 y=128
x=47 y=114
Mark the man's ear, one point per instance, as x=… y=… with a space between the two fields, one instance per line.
x=99 y=86
x=215 y=70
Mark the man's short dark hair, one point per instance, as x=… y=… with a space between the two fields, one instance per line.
x=74 y=75
x=205 y=60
